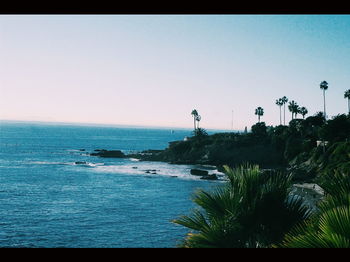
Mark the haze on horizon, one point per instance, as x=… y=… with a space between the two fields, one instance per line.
x=152 y=70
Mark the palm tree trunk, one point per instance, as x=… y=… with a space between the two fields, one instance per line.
x=194 y=122
x=280 y=116
x=284 y=114
x=259 y=118
x=324 y=103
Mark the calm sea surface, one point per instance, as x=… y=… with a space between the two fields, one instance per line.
x=47 y=200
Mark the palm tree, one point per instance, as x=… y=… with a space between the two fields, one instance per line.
x=293 y=108
x=259 y=111
x=253 y=209
x=330 y=226
x=324 y=87
x=198 y=118
x=284 y=100
x=297 y=111
x=303 y=111
x=279 y=102
x=194 y=113
x=347 y=95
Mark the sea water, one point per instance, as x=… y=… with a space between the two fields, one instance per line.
x=49 y=200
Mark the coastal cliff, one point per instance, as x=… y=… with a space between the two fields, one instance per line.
x=292 y=149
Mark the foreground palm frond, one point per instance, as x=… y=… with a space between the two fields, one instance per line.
x=253 y=209
x=330 y=228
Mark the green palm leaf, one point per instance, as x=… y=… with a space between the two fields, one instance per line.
x=252 y=210
x=330 y=227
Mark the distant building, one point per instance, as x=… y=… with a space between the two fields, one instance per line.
x=186 y=138
x=321 y=143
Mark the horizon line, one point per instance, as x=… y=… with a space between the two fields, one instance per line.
x=112 y=125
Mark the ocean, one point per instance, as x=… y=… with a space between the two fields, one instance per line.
x=48 y=200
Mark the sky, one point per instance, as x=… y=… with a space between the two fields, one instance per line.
x=153 y=70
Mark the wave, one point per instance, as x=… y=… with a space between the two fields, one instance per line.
x=136 y=167
x=76 y=163
x=154 y=169
x=87 y=164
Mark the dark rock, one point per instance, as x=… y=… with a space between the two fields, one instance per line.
x=198 y=172
x=81 y=149
x=80 y=163
x=134 y=167
x=108 y=153
x=210 y=177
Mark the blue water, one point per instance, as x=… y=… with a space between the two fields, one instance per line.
x=46 y=200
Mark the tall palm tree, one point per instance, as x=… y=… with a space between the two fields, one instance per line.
x=324 y=87
x=284 y=100
x=297 y=111
x=194 y=114
x=303 y=111
x=198 y=118
x=252 y=209
x=293 y=108
x=279 y=102
x=347 y=95
x=259 y=112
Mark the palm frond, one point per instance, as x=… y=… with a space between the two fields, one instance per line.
x=196 y=221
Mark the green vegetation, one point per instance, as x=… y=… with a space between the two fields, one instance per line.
x=194 y=114
x=253 y=209
x=284 y=100
x=256 y=207
x=324 y=87
x=347 y=95
x=303 y=111
x=280 y=103
x=330 y=227
x=293 y=108
x=295 y=148
x=259 y=112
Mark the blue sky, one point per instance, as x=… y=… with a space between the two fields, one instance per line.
x=152 y=70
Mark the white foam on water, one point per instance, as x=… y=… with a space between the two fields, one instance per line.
x=154 y=169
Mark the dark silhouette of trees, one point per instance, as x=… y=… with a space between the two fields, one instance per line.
x=293 y=108
x=279 y=102
x=324 y=87
x=253 y=209
x=198 y=118
x=259 y=112
x=303 y=111
x=284 y=100
x=347 y=95
x=194 y=114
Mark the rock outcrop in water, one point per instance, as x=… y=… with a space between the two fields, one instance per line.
x=199 y=172
x=108 y=153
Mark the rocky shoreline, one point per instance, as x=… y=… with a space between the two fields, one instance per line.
x=151 y=155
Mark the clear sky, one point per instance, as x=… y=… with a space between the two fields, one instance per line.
x=152 y=70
